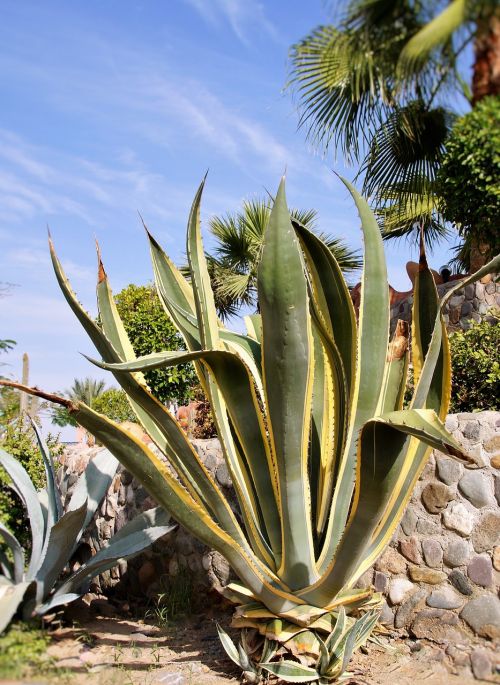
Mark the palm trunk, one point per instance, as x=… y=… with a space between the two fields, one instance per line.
x=485 y=82
x=486 y=69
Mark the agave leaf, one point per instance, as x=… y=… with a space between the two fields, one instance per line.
x=229 y=646
x=269 y=650
x=54 y=504
x=348 y=647
x=249 y=352
x=61 y=541
x=170 y=281
x=425 y=313
x=291 y=671
x=115 y=331
x=245 y=346
x=382 y=457
x=209 y=333
x=23 y=487
x=331 y=297
x=287 y=352
x=6 y=568
x=253 y=323
x=126 y=547
x=11 y=597
x=236 y=386
x=92 y=485
x=304 y=642
x=324 y=657
x=56 y=600
x=157 y=479
x=245 y=662
x=426 y=377
x=236 y=593
x=433 y=389
x=330 y=391
x=338 y=631
x=17 y=552
x=176 y=296
x=372 y=341
x=200 y=278
x=166 y=430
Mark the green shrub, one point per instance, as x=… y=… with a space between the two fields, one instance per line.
x=150 y=330
x=475 y=369
x=19 y=441
x=113 y=403
x=23 y=650
x=468 y=178
x=475 y=363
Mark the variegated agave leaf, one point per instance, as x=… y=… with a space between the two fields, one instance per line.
x=308 y=410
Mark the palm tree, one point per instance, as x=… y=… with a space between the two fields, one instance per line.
x=86 y=390
x=235 y=259
x=377 y=86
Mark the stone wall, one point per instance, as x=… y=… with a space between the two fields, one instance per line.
x=471 y=303
x=440 y=575
x=178 y=553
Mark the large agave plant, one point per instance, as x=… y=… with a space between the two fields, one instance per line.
x=308 y=410
x=42 y=585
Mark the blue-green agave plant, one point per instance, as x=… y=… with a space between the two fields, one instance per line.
x=35 y=587
x=308 y=407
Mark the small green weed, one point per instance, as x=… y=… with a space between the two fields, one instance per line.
x=174 y=602
x=23 y=651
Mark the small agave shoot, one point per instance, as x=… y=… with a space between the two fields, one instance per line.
x=45 y=583
x=308 y=410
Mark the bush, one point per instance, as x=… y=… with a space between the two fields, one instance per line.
x=23 y=649
x=475 y=363
x=475 y=370
x=18 y=440
x=150 y=330
x=468 y=178
x=113 y=403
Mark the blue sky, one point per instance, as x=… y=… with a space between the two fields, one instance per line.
x=113 y=107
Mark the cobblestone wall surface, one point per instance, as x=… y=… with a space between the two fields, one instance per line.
x=440 y=575
x=471 y=303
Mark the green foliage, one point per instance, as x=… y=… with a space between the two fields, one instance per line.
x=46 y=581
x=113 y=403
x=23 y=652
x=7 y=344
x=380 y=84
x=468 y=180
x=19 y=440
x=86 y=390
x=175 y=601
x=150 y=330
x=308 y=409
x=9 y=407
x=235 y=259
x=475 y=362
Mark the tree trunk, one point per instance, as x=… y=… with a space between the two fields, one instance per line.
x=486 y=69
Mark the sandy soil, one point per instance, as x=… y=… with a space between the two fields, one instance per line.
x=117 y=650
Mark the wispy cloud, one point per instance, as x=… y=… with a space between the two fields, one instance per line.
x=243 y=16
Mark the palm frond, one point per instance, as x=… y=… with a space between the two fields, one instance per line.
x=406 y=151
x=239 y=237
x=340 y=88
x=349 y=260
x=405 y=218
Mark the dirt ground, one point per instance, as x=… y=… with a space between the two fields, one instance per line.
x=116 y=650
